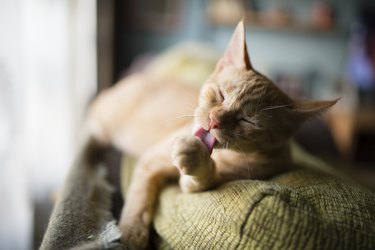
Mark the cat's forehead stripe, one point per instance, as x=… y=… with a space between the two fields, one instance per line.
x=245 y=94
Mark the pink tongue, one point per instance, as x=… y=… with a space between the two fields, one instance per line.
x=206 y=137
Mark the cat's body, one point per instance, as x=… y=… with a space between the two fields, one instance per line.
x=138 y=112
x=242 y=118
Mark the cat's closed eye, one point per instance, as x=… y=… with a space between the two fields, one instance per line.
x=213 y=95
x=247 y=120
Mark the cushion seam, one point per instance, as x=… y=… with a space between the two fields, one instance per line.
x=248 y=214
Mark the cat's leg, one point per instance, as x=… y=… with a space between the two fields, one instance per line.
x=192 y=159
x=136 y=218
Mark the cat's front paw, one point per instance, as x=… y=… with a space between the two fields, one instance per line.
x=190 y=155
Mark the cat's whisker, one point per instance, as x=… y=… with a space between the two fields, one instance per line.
x=274 y=107
x=239 y=148
x=261 y=115
x=248 y=167
x=182 y=116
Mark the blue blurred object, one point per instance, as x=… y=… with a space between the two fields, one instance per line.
x=361 y=64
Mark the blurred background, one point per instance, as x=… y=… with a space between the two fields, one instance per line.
x=56 y=55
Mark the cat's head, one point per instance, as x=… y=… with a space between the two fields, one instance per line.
x=244 y=110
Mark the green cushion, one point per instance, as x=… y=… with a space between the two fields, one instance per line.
x=302 y=209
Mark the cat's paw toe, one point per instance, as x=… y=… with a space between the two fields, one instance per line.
x=189 y=154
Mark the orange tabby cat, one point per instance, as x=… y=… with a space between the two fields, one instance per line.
x=241 y=129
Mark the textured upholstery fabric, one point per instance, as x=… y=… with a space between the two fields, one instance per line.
x=302 y=209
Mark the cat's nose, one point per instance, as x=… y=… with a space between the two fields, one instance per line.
x=214 y=123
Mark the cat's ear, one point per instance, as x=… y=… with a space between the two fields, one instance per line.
x=236 y=52
x=303 y=110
